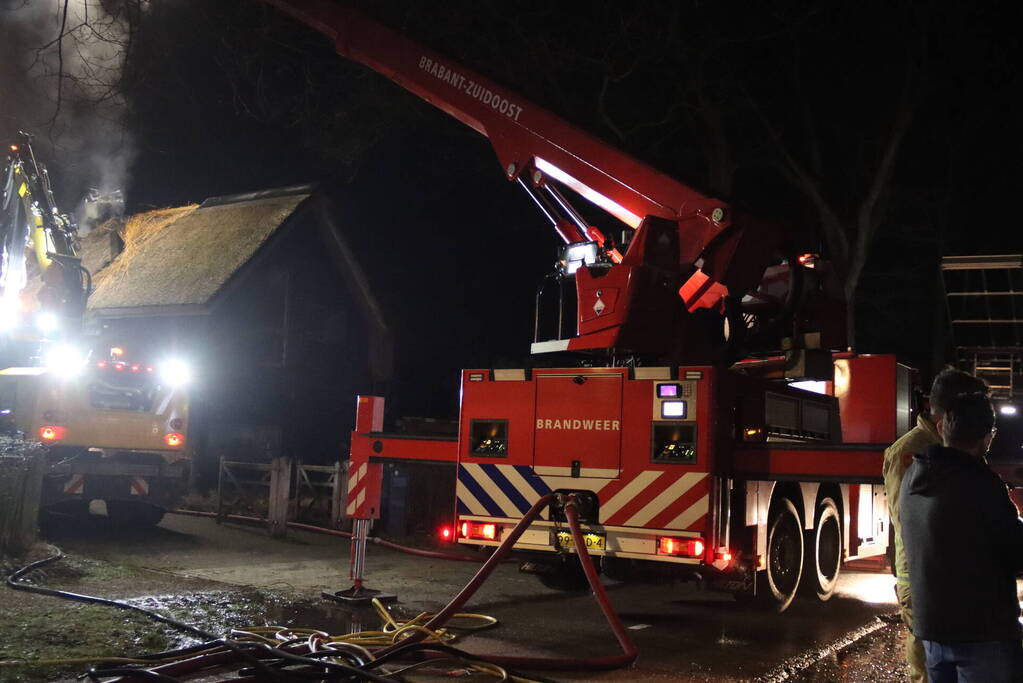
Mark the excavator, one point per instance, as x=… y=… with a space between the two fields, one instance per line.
x=114 y=428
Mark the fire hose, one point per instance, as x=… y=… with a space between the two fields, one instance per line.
x=303 y=652
x=375 y=540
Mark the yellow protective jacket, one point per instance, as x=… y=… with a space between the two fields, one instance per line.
x=897 y=459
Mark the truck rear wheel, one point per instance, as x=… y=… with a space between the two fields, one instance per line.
x=785 y=551
x=127 y=513
x=823 y=552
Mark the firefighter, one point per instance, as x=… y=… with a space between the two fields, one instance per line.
x=897 y=458
x=964 y=547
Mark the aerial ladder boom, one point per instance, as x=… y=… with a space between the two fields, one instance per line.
x=687 y=251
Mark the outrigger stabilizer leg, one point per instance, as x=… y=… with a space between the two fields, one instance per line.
x=359 y=595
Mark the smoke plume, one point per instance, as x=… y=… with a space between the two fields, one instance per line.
x=60 y=71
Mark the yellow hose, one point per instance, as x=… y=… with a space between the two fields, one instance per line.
x=391 y=631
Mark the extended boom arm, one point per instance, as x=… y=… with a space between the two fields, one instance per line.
x=684 y=244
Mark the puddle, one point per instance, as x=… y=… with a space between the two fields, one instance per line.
x=220 y=611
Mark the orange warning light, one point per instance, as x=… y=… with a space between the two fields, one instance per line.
x=174 y=439
x=52 y=433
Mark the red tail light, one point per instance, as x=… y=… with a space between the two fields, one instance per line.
x=680 y=547
x=174 y=439
x=136 y=367
x=445 y=533
x=102 y=365
x=118 y=366
x=479 y=531
x=52 y=433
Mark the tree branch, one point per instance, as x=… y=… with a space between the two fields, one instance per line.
x=830 y=223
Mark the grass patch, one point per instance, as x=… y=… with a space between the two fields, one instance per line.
x=36 y=629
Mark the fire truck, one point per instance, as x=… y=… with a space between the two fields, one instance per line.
x=691 y=380
x=114 y=426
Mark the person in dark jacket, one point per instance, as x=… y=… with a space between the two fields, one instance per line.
x=964 y=544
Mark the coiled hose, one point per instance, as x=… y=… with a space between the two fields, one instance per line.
x=314 y=656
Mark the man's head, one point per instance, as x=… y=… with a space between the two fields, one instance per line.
x=948 y=385
x=968 y=423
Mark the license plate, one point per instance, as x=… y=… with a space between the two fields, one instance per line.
x=592 y=541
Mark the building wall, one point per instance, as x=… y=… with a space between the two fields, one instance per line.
x=279 y=358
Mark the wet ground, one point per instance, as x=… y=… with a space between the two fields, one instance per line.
x=232 y=576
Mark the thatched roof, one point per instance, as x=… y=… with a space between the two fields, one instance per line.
x=182 y=257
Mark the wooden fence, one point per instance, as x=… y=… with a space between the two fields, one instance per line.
x=21 y=484
x=266 y=489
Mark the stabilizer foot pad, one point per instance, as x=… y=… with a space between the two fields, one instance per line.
x=359 y=596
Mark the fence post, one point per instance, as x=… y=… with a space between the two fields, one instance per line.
x=280 y=491
x=31 y=498
x=21 y=483
x=220 y=490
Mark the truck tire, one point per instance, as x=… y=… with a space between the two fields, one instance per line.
x=136 y=514
x=59 y=513
x=785 y=554
x=823 y=552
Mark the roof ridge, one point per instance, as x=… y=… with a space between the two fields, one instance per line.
x=286 y=191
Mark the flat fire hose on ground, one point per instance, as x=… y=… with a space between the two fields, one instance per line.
x=310 y=653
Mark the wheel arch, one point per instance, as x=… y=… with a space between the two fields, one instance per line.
x=834 y=492
x=797 y=493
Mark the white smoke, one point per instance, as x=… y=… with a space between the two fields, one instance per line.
x=60 y=70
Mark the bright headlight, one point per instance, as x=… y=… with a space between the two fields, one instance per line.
x=175 y=372
x=47 y=321
x=65 y=361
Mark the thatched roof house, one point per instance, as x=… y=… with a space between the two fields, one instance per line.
x=264 y=294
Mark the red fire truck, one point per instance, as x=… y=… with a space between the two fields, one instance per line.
x=715 y=424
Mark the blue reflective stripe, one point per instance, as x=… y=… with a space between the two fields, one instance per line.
x=463 y=509
x=475 y=489
x=507 y=487
x=536 y=482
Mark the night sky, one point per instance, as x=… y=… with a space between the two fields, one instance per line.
x=227 y=97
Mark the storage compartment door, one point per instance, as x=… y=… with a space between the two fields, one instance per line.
x=578 y=425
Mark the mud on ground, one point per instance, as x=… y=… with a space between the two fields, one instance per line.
x=35 y=629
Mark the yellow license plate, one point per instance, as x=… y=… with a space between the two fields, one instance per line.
x=592 y=541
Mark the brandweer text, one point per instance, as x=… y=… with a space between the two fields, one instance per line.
x=601 y=425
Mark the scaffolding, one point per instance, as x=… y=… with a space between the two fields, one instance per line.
x=984 y=295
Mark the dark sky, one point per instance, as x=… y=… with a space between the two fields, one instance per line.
x=230 y=96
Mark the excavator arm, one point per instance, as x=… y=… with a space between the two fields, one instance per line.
x=30 y=220
x=687 y=251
